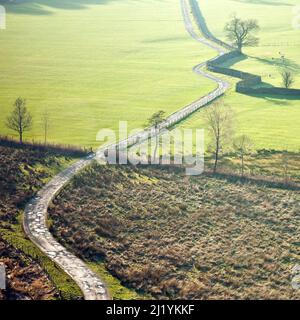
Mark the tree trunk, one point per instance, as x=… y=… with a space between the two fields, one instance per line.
x=240 y=47
x=45 y=138
x=156 y=145
x=216 y=159
x=216 y=163
x=21 y=137
x=242 y=166
x=217 y=152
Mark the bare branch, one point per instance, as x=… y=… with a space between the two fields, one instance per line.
x=287 y=78
x=240 y=32
x=219 y=121
x=154 y=121
x=45 y=124
x=243 y=146
x=20 y=120
x=156 y=118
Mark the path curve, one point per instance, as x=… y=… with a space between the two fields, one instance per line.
x=222 y=84
x=35 y=217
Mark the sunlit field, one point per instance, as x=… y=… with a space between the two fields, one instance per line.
x=271 y=121
x=93 y=63
x=161 y=230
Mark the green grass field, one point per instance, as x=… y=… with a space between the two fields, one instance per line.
x=93 y=63
x=272 y=122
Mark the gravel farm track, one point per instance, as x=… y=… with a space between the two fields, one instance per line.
x=35 y=219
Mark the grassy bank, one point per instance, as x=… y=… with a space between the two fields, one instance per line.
x=23 y=171
x=65 y=287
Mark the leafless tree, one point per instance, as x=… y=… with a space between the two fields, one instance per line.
x=285 y=166
x=46 y=124
x=240 y=32
x=154 y=121
x=243 y=146
x=219 y=121
x=20 y=119
x=287 y=78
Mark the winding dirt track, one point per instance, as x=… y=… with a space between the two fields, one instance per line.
x=35 y=217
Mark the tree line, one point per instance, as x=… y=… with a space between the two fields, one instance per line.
x=220 y=122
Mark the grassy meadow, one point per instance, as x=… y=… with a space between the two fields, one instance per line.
x=93 y=63
x=273 y=122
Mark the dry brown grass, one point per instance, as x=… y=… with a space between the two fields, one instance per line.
x=23 y=171
x=173 y=237
x=25 y=279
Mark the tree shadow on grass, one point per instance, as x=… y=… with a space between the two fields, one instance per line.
x=43 y=7
x=167 y=39
x=276 y=99
x=266 y=182
x=265 y=2
x=278 y=62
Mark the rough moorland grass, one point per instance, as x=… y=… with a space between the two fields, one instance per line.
x=271 y=163
x=93 y=63
x=171 y=236
x=272 y=121
x=23 y=171
x=66 y=287
x=25 y=278
x=116 y=290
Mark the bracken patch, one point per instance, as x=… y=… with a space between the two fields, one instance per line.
x=177 y=237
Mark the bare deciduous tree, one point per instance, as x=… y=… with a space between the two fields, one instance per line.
x=219 y=121
x=154 y=121
x=240 y=32
x=287 y=78
x=20 y=119
x=285 y=166
x=243 y=146
x=46 y=124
